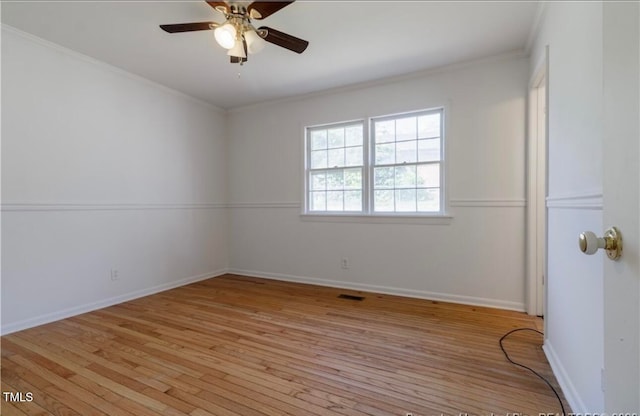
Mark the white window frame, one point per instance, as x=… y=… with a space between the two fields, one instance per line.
x=372 y=165
x=308 y=170
x=367 y=214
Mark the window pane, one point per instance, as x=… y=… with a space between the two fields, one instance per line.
x=318 y=201
x=406 y=200
x=336 y=137
x=353 y=135
x=319 y=159
x=428 y=150
x=385 y=131
x=385 y=154
x=429 y=126
x=429 y=175
x=334 y=201
x=383 y=177
x=354 y=156
x=383 y=201
x=406 y=152
x=352 y=179
x=318 y=139
x=318 y=181
x=336 y=158
x=406 y=176
x=428 y=200
x=406 y=155
x=406 y=128
x=335 y=180
x=353 y=201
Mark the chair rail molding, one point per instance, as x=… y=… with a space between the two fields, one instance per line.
x=590 y=200
x=114 y=206
x=488 y=202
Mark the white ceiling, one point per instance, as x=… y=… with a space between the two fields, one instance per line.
x=350 y=41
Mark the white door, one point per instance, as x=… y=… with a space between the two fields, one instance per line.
x=621 y=193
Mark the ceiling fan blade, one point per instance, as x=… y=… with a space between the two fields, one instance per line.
x=219 y=4
x=261 y=9
x=284 y=40
x=187 y=27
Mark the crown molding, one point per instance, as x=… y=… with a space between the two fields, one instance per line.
x=511 y=55
x=111 y=68
x=535 y=26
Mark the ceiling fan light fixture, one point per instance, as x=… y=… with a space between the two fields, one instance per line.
x=255 y=43
x=236 y=34
x=225 y=35
x=237 y=50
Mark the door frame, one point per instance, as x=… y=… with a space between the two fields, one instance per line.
x=536 y=235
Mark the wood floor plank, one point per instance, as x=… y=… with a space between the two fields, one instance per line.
x=68 y=392
x=244 y=346
x=100 y=379
x=7 y=409
x=27 y=382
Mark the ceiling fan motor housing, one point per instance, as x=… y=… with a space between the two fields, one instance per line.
x=237 y=9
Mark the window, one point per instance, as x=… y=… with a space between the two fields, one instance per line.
x=397 y=170
x=406 y=162
x=336 y=167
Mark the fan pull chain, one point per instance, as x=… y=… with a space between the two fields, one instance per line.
x=239 y=68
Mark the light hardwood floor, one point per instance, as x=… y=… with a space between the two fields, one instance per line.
x=245 y=346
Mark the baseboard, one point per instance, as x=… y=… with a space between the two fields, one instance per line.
x=569 y=390
x=411 y=293
x=77 y=310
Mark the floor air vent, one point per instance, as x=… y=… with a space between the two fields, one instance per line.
x=350 y=297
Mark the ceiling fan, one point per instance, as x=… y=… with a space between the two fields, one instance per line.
x=237 y=34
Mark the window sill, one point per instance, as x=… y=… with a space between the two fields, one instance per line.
x=436 y=219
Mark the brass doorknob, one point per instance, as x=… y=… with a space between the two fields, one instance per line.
x=611 y=242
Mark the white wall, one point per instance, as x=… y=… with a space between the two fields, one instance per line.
x=574 y=337
x=102 y=170
x=478 y=258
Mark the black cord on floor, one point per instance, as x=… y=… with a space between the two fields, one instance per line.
x=528 y=368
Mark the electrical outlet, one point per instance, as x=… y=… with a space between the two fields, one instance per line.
x=115 y=274
x=344 y=263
